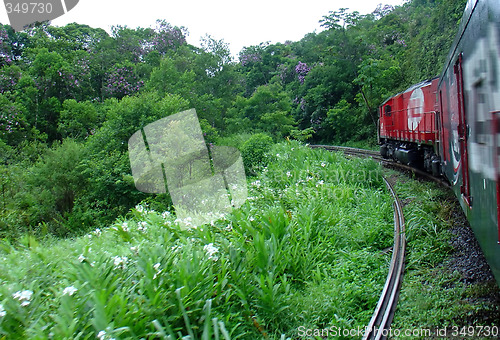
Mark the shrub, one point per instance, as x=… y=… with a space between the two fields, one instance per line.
x=254 y=149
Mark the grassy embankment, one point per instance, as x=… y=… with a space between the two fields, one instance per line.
x=305 y=250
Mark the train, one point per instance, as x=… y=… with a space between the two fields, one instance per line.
x=450 y=125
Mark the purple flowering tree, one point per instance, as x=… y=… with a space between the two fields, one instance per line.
x=246 y=59
x=5 y=48
x=302 y=70
x=82 y=80
x=168 y=37
x=121 y=81
x=252 y=54
x=9 y=77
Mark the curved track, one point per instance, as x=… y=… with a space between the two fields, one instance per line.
x=386 y=162
x=380 y=323
x=379 y=326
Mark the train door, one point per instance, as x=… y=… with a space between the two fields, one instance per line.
x=462 y=132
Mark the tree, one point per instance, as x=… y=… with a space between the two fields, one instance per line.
x=112 y=191
x=13 y=124
x=167 y=37
x=121 y=81
x=269 y=110
x=5 y=48
x=341 y=19
x=78 y=120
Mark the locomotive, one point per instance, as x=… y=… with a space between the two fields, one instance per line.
x=450 y=125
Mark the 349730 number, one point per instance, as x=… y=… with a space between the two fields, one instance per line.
x=473 y=331
x=29 y=7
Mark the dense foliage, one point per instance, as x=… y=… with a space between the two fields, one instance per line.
x=260 y=272
x=70 y=97
x=84 y=254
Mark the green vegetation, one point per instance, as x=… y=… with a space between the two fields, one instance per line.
x=84 y=254
x=433 y=295
x=76 y=88
x=305 y=250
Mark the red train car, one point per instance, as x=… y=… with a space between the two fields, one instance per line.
x=408 y=128
x=451 y=126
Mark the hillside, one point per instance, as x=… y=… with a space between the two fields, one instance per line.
x=70 y=98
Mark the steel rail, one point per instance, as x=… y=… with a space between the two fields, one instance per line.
x=384 y=161
x=379 y=326
x=347 y=150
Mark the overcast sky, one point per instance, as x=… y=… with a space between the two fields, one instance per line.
x=239 y=23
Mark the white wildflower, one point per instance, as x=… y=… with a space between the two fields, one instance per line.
x=125 y=226
x=2 y=311
x=103 y=336
x=187 y=222
x=251 y=218
x=142 y=226
x=97 y=232
x=278 y=155
x=288 y=174
x=323 y=164
x=256 y=183
x=165 y=214
x=23 y=296
x=134 y=250
x=320 y=183
x=139 y=208
x=69 y=290
x=211 y=250
x=158 y=270
x=120 y=262
x=81 y=258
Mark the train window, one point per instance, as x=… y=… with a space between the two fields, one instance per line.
x=387 y=110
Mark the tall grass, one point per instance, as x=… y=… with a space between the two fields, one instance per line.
x=305 y=250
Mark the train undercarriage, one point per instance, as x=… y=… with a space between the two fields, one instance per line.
x=417 y=156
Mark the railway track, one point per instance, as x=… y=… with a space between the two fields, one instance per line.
x=379 y=325
x=349 y=151
x=386 y=162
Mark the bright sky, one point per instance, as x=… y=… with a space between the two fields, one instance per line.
x=237 y=23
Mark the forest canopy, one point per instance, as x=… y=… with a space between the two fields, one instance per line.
x=70 y=97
